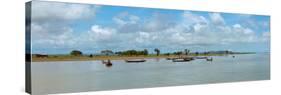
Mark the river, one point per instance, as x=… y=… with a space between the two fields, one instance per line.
x=77 y=76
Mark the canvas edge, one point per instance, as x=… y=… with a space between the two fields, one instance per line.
x=28 y=87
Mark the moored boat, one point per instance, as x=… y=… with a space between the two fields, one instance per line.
x=135 y=60
x=209 y=59
x=182 y=59
x=107 y=63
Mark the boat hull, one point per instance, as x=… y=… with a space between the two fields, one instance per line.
x=134 y=61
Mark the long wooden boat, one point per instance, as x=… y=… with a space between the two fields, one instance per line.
x=135 y=60
x=182 y=59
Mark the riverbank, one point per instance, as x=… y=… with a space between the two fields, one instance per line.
x=51 y=58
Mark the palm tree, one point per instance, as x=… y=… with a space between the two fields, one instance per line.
x=186 y=51
x=157 y=51
x=145 y=52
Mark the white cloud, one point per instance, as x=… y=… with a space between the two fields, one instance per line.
x=217 y=19
x=190 y=18
x=125 y=18
x=100 y=33
x=198 y=32
x=200 y=27
x=60 y=11
x=126 y=22
x=157 y=22
x=42 y=36
x=50 y=23
x=131 y=31
x=237 y=26
x=143 y=37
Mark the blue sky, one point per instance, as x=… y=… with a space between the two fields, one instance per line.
x=58 y=28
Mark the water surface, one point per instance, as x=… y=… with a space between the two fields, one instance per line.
x=77 y=76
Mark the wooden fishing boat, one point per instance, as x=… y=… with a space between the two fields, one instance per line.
x=107 y=63
x=182 y=59
x=135 y=60
x=209 y=59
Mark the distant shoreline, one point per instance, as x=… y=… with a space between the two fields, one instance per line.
x=51 y=58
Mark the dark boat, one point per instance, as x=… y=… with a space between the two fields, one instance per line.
x=135 y=60
x=209 y=59
x=182 y=59
x=107 y=63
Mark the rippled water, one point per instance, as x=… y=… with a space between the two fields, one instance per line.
x=76 y=76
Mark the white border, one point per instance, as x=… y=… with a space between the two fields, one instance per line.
x=12 y=46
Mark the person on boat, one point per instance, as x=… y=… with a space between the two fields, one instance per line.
x=108 y=63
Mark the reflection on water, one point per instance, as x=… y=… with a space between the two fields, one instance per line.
x=157 y=59
x=76 y=76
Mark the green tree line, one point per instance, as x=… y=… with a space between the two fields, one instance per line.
x=133 y=52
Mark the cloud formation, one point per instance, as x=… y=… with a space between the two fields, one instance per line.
x=51 y=30
x=51 y=23
x=52 y=11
